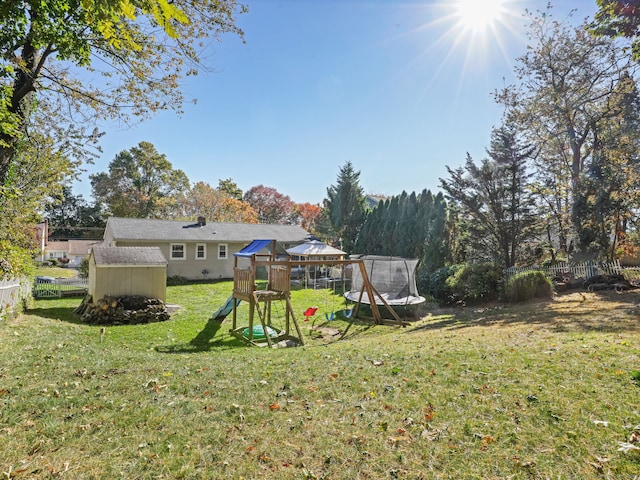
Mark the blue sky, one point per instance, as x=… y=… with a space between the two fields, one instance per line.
x=400 y=89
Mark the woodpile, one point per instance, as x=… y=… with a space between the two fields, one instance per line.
x=124 y=310
x=608 y=282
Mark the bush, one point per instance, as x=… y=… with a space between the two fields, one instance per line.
x=527 y=285
x=475 y=283
x=83 y=267
x=433 y=284
x=176 y=280
x=15 y=261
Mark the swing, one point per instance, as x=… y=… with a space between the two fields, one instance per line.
x=309 y=312
x=330 y=317
x=347 y=312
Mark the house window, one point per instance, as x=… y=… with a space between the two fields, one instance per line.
x=178 y=251
x=222 y=251
x=201 y=251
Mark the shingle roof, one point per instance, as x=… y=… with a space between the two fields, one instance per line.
x=82 y=247
x=173 y=230
x=128 y=256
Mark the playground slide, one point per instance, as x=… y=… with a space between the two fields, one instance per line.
x=225 y=310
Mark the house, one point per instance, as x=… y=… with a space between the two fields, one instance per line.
x=197 y=250
x=74 y=250
x=117 y=271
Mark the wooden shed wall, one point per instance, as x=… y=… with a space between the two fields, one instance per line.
x=128 y=280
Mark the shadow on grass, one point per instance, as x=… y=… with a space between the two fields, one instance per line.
x=64 y=314
x=203 y=341
x=605 y=311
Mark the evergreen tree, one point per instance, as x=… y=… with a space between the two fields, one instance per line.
x=345 y=205
x=494 y=204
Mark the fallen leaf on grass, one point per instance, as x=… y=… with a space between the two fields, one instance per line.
x=275 y=406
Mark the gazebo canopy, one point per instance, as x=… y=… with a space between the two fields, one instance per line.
x=315 y=248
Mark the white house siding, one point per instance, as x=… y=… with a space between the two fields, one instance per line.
x=191 y=268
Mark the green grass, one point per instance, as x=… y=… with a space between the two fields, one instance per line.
x=540 y=390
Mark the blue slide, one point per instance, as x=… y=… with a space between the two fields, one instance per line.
x=225 y=310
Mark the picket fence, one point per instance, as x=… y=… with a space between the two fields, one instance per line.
x=61 y=287
x=582 y=270
x=12 y=292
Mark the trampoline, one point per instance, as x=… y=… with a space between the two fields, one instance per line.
x=394 y=278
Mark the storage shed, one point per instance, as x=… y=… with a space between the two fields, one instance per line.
x=117 y=271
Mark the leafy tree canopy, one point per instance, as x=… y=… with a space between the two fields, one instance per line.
x=271 y=205
x=141 y=183
x=619 y=18
x=135 y=51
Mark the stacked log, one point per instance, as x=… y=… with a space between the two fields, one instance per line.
x=124 y=310
x=608 y=282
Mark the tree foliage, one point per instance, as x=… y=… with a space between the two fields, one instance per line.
x=619 y=18
x=345 y=207
x=140 y=183
x=309 y=216
x=608 y=203
x=216 y=205
x=135 y=51
x=564 y=104
x=410 y=226
x=38 y=172
x=271 y=205
x=495 y=206
x=230 y=188
x=71 y=216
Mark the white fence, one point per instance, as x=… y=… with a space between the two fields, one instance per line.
x=46 y=287
x=12 y=292
x=583 y=270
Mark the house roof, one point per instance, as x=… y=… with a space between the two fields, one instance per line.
x=57 y=246
x=174 y=230
x=82 y=247
x=139 y=256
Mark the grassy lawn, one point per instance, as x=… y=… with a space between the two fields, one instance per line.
x=542 y=390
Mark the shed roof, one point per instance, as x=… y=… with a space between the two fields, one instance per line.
x=134 y=256
x=174 y=230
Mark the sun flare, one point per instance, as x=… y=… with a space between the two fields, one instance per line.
x=479 y=15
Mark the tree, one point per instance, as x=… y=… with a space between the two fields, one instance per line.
x=494 y=204
x=309 y=215
x=38 y=172
x=136 y=52
x=141 y=183
x=610 y=199
x=72 y=216
x=271 y=205
x=408 y=225
x=345 y=206
x=230 y=188
x=562 y=105
x=618 y=18
x=216 y=205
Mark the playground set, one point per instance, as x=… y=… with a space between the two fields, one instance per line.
x=278 y=289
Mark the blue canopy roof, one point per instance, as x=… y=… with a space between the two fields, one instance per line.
x=253 y=248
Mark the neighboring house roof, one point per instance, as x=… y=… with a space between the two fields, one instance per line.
x=175 y=231
x=372 y=201
x=56 y=246
x=138 y=256
x=82 y=247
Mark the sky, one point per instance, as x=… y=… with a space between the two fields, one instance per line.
x=401 y=89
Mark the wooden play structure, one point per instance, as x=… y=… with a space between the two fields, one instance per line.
x=278 y=289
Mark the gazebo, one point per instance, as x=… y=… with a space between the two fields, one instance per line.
x=314 y=250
